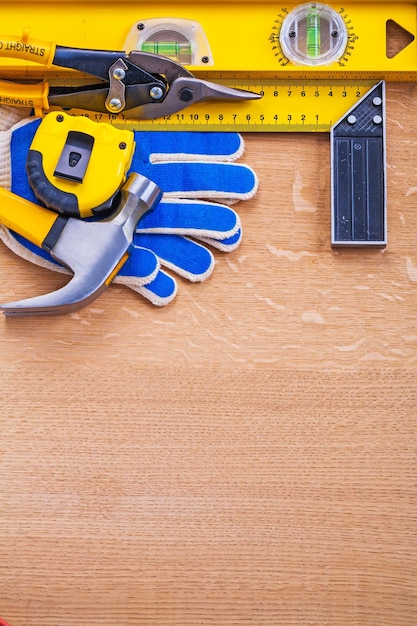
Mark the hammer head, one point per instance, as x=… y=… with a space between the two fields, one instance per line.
x=92 y=251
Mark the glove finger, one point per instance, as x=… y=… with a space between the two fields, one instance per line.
x=160 y=291
x=225 y=245
x=199 y=219
x=21 y=140
x=11 y=118
x=141 y=266
x=156 y=146
x=173 y=145
x=224 y=181
x=187 y=179
x=185 y=257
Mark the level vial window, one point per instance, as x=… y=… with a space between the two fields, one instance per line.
x=313 y=34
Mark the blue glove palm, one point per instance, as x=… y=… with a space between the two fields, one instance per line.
x=191 y=169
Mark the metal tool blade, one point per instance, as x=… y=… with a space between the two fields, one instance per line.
x=186 y=91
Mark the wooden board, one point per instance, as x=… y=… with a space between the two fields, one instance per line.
x=246 y=455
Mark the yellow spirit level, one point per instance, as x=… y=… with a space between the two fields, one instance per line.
x=319 y=66
x=312 y=61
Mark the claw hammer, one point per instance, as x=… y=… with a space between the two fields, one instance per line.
x=93 y=251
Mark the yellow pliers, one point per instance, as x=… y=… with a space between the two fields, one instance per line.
x=142 y=85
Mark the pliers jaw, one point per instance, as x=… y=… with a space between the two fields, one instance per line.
x=186 y=91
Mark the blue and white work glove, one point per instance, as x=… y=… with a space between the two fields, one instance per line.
x=199 y=178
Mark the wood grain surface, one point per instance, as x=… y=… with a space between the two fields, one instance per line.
x=244 y=456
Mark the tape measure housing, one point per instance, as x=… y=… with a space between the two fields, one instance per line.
x=76 y=167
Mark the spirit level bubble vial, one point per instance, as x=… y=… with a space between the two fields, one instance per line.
x=182 y=40
x=313 y=34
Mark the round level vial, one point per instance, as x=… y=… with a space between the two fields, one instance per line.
x=313 y=34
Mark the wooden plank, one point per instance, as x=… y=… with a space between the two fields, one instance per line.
x=245 y=455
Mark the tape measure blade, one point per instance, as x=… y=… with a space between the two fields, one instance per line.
x=359 y=173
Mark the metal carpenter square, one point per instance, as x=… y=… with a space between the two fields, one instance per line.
x=358 y=173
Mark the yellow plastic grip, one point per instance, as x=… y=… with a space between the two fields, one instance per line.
x=24 y=217
x=27 y=49
x=24 y=95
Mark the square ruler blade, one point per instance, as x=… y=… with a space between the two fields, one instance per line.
x=358 y=173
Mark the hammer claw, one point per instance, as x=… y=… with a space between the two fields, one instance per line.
x=92 y=251
x=69 y=298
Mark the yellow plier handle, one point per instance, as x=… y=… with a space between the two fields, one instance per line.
x=25 y=95
x=141 y=84
x=26 y=49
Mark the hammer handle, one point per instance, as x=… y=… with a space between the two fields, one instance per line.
x=26 y=218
